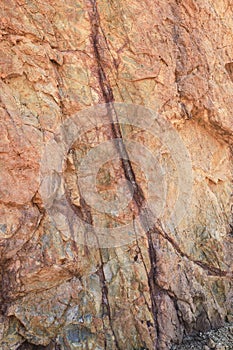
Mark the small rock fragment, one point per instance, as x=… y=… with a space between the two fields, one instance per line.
x=220 y=347
x=211 y=344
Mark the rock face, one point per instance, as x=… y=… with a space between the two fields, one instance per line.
x=59 y=58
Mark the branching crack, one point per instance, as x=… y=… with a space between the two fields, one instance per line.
x=211 y=270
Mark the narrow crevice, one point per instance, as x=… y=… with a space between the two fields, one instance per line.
x=105 y=300
x=84 y=212
x=138 y=195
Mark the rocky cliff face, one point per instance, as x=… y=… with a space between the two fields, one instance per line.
x=57 y=59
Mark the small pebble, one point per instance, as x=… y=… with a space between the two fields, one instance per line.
x=206 y=347
x=220 y=347
x=211 y=344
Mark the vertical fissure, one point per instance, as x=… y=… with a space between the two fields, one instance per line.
x=138 y=195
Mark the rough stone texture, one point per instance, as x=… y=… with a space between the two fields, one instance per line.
x=58 y=57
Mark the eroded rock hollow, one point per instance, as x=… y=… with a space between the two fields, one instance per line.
x=171 y=61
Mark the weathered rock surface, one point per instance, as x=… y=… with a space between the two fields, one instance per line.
x=57 y=58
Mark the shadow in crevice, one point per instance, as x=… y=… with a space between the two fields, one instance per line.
x=28 y=346
x=229 y=69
